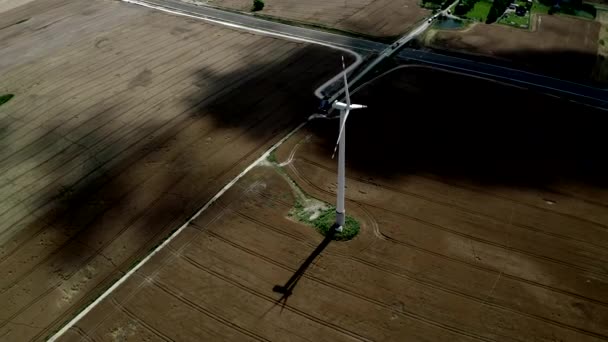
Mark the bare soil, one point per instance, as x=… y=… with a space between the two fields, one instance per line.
x=455 y=244
x=379 y=18
x=125 y=121
x=560 y=45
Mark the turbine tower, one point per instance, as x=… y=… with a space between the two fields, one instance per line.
x=344 y=109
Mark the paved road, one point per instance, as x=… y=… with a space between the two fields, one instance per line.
x=579 y=92
x=576 y=91
x=388 y=51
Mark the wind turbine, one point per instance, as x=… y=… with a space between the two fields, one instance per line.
x=344 y=109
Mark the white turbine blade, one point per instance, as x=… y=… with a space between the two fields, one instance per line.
x=340 y=134
x=345 y=83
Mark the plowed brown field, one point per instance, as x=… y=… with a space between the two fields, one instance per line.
x=124 y=122
x=461 y=240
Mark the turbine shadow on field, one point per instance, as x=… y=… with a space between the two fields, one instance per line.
x=287 y=289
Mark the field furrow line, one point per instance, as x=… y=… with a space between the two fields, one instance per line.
x=274 y=301
x=139 y=320
x=214 y=316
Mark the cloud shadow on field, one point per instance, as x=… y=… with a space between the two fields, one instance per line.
x=571 y=65
x=422 y=120
x=281 y=87
x=117 y=191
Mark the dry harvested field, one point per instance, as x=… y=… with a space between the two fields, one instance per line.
x=455 y=244
x=378 y=18
x=125 y=121
x=557 y=41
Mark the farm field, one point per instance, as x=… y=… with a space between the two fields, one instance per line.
x=467 y=233
x=556 y=41
x=379 y=18
x=124 y=122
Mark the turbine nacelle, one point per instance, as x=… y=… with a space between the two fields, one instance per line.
x=343 y=106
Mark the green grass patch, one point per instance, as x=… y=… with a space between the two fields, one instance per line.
x=537 y=7
x=5 y=98
x=513 y=19
x=479 y=11
x=324 y=221
x=272 y=157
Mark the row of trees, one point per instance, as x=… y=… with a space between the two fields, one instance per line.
x=258 y=5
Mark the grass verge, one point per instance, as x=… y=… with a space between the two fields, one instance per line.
x=313 y=212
